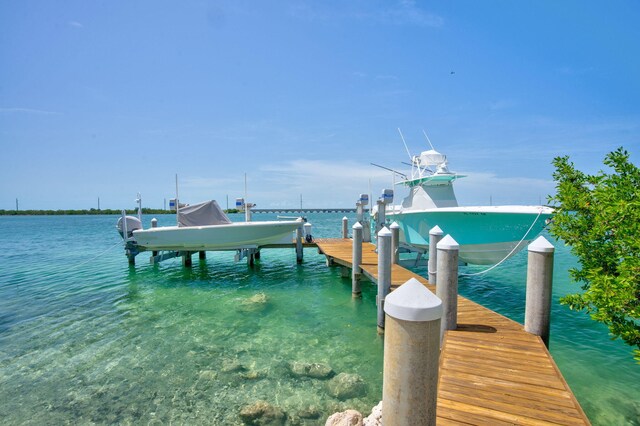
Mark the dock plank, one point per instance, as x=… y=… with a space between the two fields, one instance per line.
x=492 y=372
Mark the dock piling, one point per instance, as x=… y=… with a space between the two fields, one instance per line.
x=247 y=211
x=487 y=355
x=356 y=260
x=251 y=256
x=435 y=235
x=447 y=282
x=395 y=242
x=345 y=224
x=384 y=273
x=154 y=224
x=411 y=356
x=299 y=251
x=537 y=314
x=307 y=232
x=186 y=259
x=381 y=215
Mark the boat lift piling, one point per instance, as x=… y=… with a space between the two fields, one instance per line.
x=154 y=224
x=186 y=259
x=307 y=232
x=360 y=217
x=385 y=198
x=299 y=250
x=247 y=211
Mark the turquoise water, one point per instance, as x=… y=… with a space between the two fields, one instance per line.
x=84 y=338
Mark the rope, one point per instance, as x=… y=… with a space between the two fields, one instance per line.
x=510 y=253
x=94 y=257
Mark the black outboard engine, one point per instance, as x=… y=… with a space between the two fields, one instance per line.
x=131 y=224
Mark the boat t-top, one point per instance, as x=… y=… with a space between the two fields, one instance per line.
x=486 y=234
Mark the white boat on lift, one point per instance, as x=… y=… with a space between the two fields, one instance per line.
x=486 y=234
x=205 y=227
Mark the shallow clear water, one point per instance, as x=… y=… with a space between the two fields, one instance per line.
x=84 y=338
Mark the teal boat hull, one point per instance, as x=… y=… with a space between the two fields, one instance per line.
x=486 y=235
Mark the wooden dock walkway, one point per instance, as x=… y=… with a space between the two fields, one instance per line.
x=492 y=372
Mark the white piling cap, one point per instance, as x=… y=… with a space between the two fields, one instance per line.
x=448 y=243
x=384 y=232
x=307 y=225
x=356 y=225
x=394 y=225
x=345 y=218
x=436 y=231
x=541 y=245
x=412 y=301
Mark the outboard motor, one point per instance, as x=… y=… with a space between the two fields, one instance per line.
x=132 y=223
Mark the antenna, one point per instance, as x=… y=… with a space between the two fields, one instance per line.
x=395 y=172
x=139 y=201
x=430 y=144
x=405 y=144
x=177 y=203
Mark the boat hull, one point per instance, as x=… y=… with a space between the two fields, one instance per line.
x=486 y=235
x=216 y=237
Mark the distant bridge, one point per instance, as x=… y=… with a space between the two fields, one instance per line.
x=285 y=210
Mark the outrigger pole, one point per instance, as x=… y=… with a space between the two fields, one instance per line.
x=405 y=145
x=428 y=140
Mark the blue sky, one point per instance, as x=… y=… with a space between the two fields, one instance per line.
x=109 y=98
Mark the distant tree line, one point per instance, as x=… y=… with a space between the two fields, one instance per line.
x=87 y=212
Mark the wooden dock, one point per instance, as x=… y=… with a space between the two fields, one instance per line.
x=492 y=372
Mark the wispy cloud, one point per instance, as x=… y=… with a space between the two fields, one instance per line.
x=327 y=183
x=387 y=77
x=322 y=183
x=407 y=12
x=337 y=184
x=334 y=170
x=206 y=183
x=403 y=12
x=27 y=111
x=488 y=188
x=502 y=104
x=75 y=24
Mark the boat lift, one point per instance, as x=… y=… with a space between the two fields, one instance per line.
x=126 y=225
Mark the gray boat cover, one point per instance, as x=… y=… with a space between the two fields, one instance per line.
x=202 y=214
